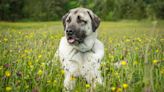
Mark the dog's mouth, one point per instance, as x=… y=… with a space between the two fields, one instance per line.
x=71 y=40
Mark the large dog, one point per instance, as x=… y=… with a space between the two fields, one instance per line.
x=80 y=51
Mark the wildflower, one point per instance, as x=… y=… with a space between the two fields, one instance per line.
x=62 y=72
x=119 y=90
x=87 y=86
x=155 y=61
x=123 y=63
x=127 y=40
x=113 y=88
x=136 y=48
x=29 y=63
x=7 y=73
x=8 y=88
x=49 y=81
x=125 y=86
x=1 y=67
x=42 y=64
x=26 y=51
x=135 y=63
x=40 y=72
x=39 y=56
x=5 y=39
x=162 y=71
x=72 y=78
x=139 y=39
x=54 y=82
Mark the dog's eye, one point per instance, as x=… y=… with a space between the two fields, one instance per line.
x=84 y=21
x=80 y=20
x=68 y=20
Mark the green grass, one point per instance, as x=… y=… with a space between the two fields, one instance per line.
x=27 y=51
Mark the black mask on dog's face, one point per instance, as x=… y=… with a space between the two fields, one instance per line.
x=78 y=24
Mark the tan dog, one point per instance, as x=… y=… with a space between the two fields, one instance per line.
x=80 y=51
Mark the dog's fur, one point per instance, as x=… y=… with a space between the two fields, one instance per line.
x=80 y=51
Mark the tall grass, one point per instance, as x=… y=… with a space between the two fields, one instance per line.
x=27 y=60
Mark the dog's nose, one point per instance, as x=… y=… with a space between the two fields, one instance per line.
x=69 y=32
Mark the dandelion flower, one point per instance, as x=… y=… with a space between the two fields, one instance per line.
x=123 y=63
x=8 y=88
x=113 y=88
x=29 y=63
x=127 y=40
x=72 y=78
x=7 y=73
x=125 y=86
x=135 y=63
x=62 y=72
x=39 y=56
x=155 y=61
x=87 y=86
x=119 y=90
x=1 y=67
x=42 y=64
x=40 y=72
x=26 y=51
x=54 y=81
x=5 y=39
x=49 y=81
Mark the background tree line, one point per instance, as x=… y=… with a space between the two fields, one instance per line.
x=46 y=10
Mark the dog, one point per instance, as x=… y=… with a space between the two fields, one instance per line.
x=80 y=51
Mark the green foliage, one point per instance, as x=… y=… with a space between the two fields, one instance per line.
x=27 y=51
x=46 y=10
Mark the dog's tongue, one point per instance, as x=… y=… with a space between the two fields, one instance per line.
x=71 y=40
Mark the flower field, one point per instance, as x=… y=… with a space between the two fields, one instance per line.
x=133 y=61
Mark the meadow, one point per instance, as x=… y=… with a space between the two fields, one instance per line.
x=133 y=61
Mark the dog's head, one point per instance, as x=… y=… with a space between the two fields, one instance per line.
x=78 y=24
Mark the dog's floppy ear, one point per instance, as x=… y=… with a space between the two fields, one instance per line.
x=64 y=18
x=95 y=20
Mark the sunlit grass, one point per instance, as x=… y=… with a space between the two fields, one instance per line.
x=27 y=60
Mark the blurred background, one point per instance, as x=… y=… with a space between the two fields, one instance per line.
x=53 y=10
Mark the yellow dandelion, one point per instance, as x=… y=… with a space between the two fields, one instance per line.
x=162 y=71
x=40 y=72
x=87 y=86
x=135 y=63
x=62 y=72
x=1 y=67
x=123 y=63
x=113 y=88
x=26 y=51
x=72 y=78
x=127 y=40
x=39 y=56
x=49 y=81
x=125 y=86
x=8 y=88
x=54 y=81
x=155 y=61
x=119 y=90
x=42 y=64
x=29 y=63
x=5 y=39
x=7 y=73
x=136 y=48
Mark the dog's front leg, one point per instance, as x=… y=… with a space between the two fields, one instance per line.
x=69 y=83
